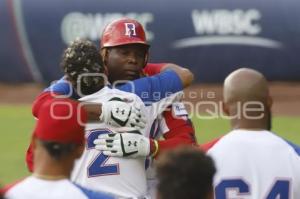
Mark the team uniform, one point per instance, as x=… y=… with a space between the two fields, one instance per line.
x=121 y=176
x=35 y=188
x=255 y=165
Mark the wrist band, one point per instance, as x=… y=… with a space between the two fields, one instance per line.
x=156 y=148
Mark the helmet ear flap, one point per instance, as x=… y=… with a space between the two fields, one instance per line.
x=103 y=53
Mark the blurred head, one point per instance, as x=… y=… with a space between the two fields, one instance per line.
x=124 y=49
x=185 y=172
x=246 y=90
x=60 y=129
x=82 y=64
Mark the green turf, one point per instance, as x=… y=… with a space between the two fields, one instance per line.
x=17 y=123
x=286 y=127
x=16 y=126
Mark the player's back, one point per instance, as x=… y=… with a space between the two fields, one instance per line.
x=35 y=188
x=256 y=165
x=120 y=176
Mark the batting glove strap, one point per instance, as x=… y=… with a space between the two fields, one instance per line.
x=129 y=145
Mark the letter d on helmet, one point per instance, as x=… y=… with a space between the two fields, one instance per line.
x=122 y=32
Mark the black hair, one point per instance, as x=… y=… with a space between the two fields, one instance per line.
x=82 y=57
x=58 y=150
x=185 y=172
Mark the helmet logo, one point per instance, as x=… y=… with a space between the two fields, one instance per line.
x=130 y=29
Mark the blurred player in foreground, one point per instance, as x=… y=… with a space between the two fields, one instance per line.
x=185 y=172
x=58 y=140
x=252 y=162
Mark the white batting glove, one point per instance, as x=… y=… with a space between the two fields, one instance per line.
x=123 y=114
x=131 y=145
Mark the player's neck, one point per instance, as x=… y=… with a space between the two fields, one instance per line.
x=52 y=171
x=51 y=168
x=50 y=177
x=249 y=125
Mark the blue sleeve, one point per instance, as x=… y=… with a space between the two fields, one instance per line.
x=294 y=146
x=94 y=194
x=154 y=88
x=62 y=87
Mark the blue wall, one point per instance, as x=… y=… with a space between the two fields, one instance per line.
x=210 y=37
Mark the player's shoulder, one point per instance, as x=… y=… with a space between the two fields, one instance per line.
x=233 y=140
x=281 y=143
x=61 y=84
x=62 y=87
x=17 y=188
x=288 y=144
x=208 y=145
x=10 y=187
x=94 y=194
x=241 y=138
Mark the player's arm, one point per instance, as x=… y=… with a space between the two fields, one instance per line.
x=96 y=112
x=177 y=130
x=157 y=87
x=119 y=144
x=184 y=74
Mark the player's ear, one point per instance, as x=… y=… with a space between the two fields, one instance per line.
x=225 y=108
x=269 y=102
x=104 y=54
x=33 y=142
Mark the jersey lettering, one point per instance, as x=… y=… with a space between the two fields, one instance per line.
x=280 y=189
x=98 y=166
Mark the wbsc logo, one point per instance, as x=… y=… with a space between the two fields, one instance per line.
x=227 y=27
x=91 y=25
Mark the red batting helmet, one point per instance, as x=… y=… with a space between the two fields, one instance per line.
x=122 y=32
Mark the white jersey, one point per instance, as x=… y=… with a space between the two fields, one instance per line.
x=35 y=188
x=256 y=165
x=120 y=176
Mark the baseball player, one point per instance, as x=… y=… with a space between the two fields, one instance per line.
x=58 y=140
x=121 y=176
x=125 y=54
x=118 y=187
x=252 y=162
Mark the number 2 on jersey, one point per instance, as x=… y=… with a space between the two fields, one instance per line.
x=98 y=167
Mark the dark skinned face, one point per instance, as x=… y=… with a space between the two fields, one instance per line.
x=125 y=62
